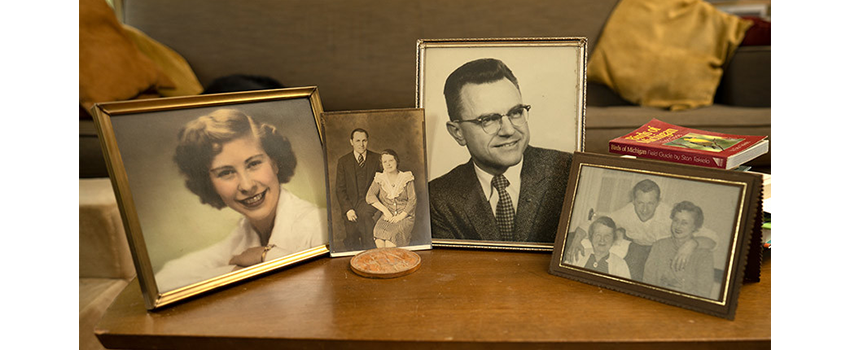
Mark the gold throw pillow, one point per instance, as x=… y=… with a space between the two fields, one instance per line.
x=665 y=53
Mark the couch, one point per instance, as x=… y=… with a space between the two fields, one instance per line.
x=361 y=54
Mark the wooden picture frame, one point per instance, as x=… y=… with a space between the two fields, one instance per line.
x=198 y=178
x=549 y=83
x=376 y=133
x=619 y=209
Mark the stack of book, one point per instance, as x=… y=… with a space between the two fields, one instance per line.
x=662 y=141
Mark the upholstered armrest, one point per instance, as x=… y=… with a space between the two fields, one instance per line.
x=746 y=80
x=106 y=265
x=104 y=252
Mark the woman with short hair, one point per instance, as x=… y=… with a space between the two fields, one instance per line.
x=697 y=275
x=230 y=160
x=601 y=237
x=392 y=193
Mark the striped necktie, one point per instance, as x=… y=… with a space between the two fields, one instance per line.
x=360 y=161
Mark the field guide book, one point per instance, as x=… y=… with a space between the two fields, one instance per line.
x=678 y=144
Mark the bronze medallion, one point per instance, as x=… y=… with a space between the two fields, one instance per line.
x=385 y=263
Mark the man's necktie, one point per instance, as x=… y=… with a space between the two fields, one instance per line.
x=360 y=160
x=504 y=209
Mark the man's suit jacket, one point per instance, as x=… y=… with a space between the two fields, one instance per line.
x=350 y=194
x=460 y=210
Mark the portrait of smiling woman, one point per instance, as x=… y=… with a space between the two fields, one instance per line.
x=231 y=162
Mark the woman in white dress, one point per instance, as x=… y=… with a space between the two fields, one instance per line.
x=229 y=160
x=393 y=195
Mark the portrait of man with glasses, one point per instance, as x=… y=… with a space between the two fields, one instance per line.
x=508 y=190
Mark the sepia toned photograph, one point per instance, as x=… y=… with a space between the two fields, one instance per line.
x=217 y=188
x=669 y=232
x=503 y=118
x=377 y=187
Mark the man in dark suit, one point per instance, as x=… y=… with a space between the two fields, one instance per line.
x=354 y=174
x=508 y=190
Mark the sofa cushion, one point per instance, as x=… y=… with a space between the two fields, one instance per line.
x=104 y=251
x=111 y=67
x=746 y=79
x=96 y=294
x=665 y=53
x=758 y=34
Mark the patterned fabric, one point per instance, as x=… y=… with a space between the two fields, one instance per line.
x=399 y=233
x=360 y=161
x=398 y=196
x=504 y=209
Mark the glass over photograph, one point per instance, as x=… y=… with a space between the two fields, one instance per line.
x=376 y=180
x=502 y=119
x=220 y=189
x=233 y=162
x=664 y=231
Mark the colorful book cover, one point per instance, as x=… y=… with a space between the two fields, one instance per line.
x=668 y=142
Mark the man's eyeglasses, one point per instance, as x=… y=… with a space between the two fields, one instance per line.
x=491 y=123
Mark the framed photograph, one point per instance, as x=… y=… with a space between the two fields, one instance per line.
x=214 y=189
x=502 y=118
x=673 y=233
x=377 y=187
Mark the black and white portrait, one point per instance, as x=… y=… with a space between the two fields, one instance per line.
x=503 y=119
x=665 y=231
x=220 y=188
x=376 y=180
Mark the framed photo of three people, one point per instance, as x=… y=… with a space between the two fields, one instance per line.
x=502 y=118
x=679 y=234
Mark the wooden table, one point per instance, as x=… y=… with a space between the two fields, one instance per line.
x=467 y=299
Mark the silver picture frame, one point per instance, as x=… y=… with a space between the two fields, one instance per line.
x=550 y=76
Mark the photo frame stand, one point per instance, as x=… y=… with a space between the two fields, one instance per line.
x=643 y=214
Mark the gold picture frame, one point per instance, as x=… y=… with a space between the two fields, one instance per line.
x=625 y=222
x=549 y=75
x=167 y=221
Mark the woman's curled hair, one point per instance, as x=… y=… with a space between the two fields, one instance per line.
x=200 y=140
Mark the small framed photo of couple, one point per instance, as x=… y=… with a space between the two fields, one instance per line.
x=377 y=187
x=503 y=118
x=673 y=233
x=215 y=189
